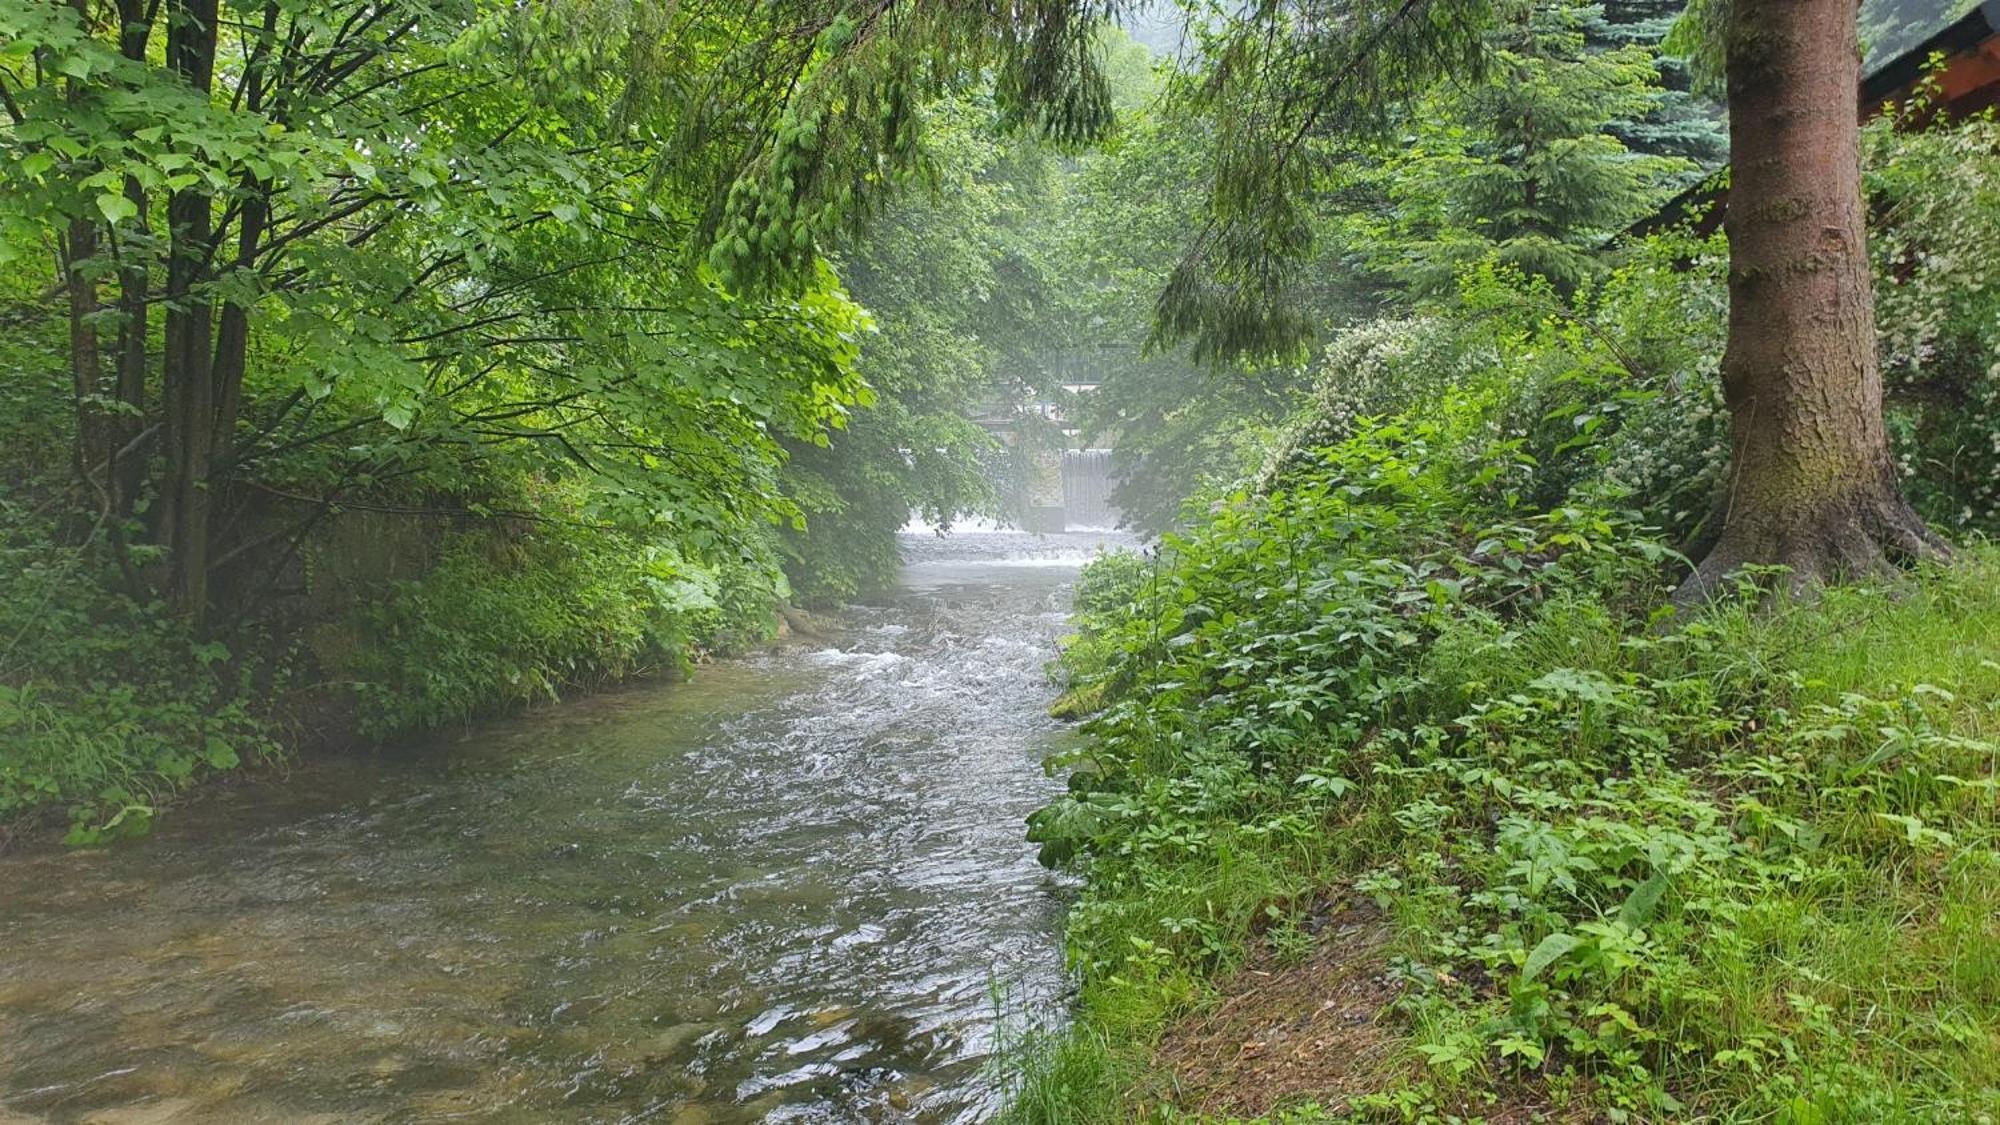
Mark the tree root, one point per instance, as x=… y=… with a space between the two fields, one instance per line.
x=1858 y=539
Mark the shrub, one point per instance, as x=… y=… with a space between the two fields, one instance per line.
x=1739 y=867
x=1937 y=252
x=505 y=620
x=107 y=706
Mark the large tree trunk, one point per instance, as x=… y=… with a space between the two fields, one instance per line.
x=1813 y=487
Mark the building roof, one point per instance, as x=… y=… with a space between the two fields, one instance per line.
x=1970 y=44
x=1965 y=32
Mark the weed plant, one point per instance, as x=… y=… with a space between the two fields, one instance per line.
x=1739 y=866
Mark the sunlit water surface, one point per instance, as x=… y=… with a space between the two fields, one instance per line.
x=787 y=890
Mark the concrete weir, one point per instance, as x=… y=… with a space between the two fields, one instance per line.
x=1069 y=490
x=1087 y=480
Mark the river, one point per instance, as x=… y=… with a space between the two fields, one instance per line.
x=793 y=888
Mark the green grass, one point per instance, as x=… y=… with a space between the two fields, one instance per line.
x=1753 y=861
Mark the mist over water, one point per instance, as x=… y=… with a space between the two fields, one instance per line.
x=786 y=890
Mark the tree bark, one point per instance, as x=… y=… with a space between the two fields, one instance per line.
x=232 y=337
x=186 y=378
x=128 y=462
x=86 y=363
x=86 y=360
x=1814 y=486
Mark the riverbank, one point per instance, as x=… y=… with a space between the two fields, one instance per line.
x=398 y=626
x=1473 y=831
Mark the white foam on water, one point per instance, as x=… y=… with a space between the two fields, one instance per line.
x=867 y=663
x=972 y=524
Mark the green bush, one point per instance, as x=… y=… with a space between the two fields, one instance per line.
x=107 y=706
x=505 y=620
x=1937 y=252
x=1740 y=867
x=1615 y=391
x=1113 y=581
x=1612 y=394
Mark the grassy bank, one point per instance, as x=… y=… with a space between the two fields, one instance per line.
x=110 y=706
x=1527 y=843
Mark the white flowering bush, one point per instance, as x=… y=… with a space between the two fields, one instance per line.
x=1371 y=370
x=1665 y=313
x=1936 y=245
x=1612 y=394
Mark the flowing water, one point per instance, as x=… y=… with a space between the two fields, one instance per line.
x=786 y=890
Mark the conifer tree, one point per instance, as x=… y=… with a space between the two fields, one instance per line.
x=1814 y=487
x=1681 y=123
x=1813 y=484
x=1532 y=170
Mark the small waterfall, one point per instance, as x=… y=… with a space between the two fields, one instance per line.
x=1086 y=482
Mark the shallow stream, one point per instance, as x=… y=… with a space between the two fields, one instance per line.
x=789 y=889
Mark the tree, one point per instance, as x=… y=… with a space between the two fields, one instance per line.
x=1525 y=166
x=1174 y=424
x=1813 y=486
x=584 y=235
x=1275 y=78
x=952 y=279
x=1682 y=123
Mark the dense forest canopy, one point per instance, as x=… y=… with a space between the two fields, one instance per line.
x=369 y=201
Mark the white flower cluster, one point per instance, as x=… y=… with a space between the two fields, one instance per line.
x=1937 y=259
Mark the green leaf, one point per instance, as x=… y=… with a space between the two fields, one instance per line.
x=220 y=754
x=116 y=207
x=1638 y=907
x=1551 y=949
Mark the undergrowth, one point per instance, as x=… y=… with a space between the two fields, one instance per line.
x=107 y=706
x=1739 y=867
x=504 y=623
x=110 y=706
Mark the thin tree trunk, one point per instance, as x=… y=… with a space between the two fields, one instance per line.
x=86 y=360
x=129 y=463
x=232 y=338
x=86 y=355
x=1814 y=486
x=187 y=378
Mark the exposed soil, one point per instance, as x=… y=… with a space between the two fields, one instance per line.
x=1283 y=1034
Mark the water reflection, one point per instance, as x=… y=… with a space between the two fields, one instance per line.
x=782 y=892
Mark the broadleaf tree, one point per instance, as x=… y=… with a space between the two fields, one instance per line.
x=403 y=240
